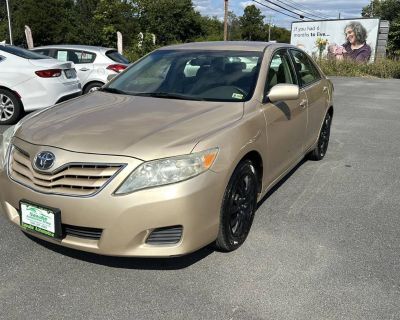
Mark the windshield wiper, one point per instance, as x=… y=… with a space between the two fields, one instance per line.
x=167 y=95
x=112 y=90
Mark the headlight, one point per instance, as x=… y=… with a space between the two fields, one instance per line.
x=169 y=170
x=5 y=143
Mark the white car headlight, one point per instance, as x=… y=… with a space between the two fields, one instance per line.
x=169 y=170
x=5 y=143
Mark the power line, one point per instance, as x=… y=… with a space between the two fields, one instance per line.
x=305 y=9
x=286 y=14
x=302 y=11
x=301 y=15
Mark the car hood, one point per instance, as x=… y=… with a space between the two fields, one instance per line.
x=142 y=127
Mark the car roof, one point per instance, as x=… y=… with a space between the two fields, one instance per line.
x=75 y=47
x=256 y=46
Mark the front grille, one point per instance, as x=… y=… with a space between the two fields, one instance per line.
x=82 y=232
x=71 y=179
x=167 y=235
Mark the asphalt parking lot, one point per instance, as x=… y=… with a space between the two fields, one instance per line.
x=325 y=244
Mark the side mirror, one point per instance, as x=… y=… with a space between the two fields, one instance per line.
x=110 y=77
x=281 y=92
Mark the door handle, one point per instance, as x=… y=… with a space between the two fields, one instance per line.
x=325 y=89
x=84 y=69
x=303 y=103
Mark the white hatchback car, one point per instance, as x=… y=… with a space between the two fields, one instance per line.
x=30 y=81
x=93 y=64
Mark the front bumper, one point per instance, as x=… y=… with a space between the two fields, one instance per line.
x=127 y=221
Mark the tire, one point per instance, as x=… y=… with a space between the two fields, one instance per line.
x=93 y=86
x=322 y=145
x=10 y=107
x=238 y=207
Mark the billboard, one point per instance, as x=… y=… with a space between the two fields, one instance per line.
x=311 y=36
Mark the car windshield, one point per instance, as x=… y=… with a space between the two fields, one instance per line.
x=192 y=75
x=23 y=53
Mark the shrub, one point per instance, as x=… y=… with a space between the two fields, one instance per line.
x=383 y=68
x=140 y=48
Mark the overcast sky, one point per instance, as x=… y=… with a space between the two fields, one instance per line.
x=331 y=9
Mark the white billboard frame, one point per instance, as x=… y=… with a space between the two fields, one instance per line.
x=343 y=21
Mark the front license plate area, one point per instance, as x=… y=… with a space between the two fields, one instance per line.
x=39 y=219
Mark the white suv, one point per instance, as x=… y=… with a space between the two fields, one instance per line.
x=93 y=64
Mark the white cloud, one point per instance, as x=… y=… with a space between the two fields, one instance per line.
x=209 y=8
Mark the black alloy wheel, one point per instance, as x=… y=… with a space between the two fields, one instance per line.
x=238 y=207
x=322 y=145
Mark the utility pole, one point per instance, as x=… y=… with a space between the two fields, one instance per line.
x=9 y=22
x=226 y=20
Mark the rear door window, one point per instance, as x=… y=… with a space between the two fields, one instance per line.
x=76 y=56
x=83 y=56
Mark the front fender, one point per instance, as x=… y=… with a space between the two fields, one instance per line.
x=236 y=141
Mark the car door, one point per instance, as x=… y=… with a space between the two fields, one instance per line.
x=311 y=81
x=83 y=63
x=81 y=59
x=286 y=120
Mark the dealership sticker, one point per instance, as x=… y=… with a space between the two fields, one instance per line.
x=237 y=96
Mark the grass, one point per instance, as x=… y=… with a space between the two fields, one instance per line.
x=383 y=68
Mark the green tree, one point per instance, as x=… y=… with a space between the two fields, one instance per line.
x=212 y=29
x=92 y=22
x=387 y=10
x=84 y=26
x=3 y=22
x=111 y=16
x=234 y=31
x=49 y=20
x=280 y=34
x=394 y=39
x=252 y=24
x=170 y=20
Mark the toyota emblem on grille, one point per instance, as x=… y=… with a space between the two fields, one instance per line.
x=44 y=160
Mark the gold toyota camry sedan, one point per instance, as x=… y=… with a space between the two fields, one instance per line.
x=172 y=154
